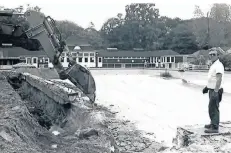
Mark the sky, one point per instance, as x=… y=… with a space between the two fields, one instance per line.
x=83 y=12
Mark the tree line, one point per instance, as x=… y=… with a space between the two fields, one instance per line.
x=142 y=26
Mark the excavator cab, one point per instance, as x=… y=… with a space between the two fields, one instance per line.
x=43 y=33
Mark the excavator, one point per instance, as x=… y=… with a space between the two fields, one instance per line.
x=43 y=33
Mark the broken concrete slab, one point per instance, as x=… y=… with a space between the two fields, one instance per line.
x=193 y=139
x=55 y=91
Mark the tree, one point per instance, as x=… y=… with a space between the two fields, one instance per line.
x=221 y=12
x=111 y=31
x=183 y=40
x=94 y=37
x=199 y=27
x=91 y=25
x=144 y=12
x=200 y=60
x=166 y=25
x=142 y=20
x=198 y=12
x=68 y=29
x=226 y=61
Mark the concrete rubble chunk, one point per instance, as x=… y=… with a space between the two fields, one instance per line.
x=6 y=136
x=54 y=146
x=55 y=91
x=193 y=138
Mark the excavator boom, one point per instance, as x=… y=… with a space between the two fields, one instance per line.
x=42 y=32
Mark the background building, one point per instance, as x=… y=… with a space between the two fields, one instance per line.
x=88 y=57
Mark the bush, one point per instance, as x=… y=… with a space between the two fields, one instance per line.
x=166 y=74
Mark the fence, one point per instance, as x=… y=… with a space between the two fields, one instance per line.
x=192 y=67
x=136 y=65
x=200 y=67
x=113 y=65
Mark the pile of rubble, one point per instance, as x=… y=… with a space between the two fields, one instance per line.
x=192 y=139
x=38 y=116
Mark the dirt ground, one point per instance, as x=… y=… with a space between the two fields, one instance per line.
x=26 y=125
x=29 y=120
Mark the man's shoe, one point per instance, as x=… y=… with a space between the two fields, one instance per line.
x=208 y=126
x=211 y=130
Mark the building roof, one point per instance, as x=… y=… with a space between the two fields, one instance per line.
x=18 y=51
x=106 y=53
x=201 y=52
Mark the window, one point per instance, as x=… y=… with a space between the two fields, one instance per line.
x=28 y=60
x=4 y=62
x=86 y=54
x=74 y=54
x=80 y=54
x=172 y=59
x=68 y=60
x=100 y=59
x=92 y=59
x=46 y=60
x=74 y=58
x=158 y=59
x=23 y=60
x=92 y=54
x=154 y=59
x=80 y=59
x=85 y=59
x=34 y=60
x=168 y=59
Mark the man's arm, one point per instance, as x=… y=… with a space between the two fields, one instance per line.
x=218 y=83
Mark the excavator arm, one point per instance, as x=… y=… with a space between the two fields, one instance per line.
x=42 y=32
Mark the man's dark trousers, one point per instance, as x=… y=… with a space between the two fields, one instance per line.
x=214 y=113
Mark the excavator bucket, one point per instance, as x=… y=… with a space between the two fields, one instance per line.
x=83 y=79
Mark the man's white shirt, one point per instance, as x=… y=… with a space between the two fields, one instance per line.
x=216 y=67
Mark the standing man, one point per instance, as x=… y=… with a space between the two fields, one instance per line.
x=214 y=87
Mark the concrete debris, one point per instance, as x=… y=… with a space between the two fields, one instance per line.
x=129 y=139
x=193 y=139
x=40 y=118
x=56 y=132
x=87 y=133
x=54 y=146
x=38 y=115
x=6 y=136
x=23 y=65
